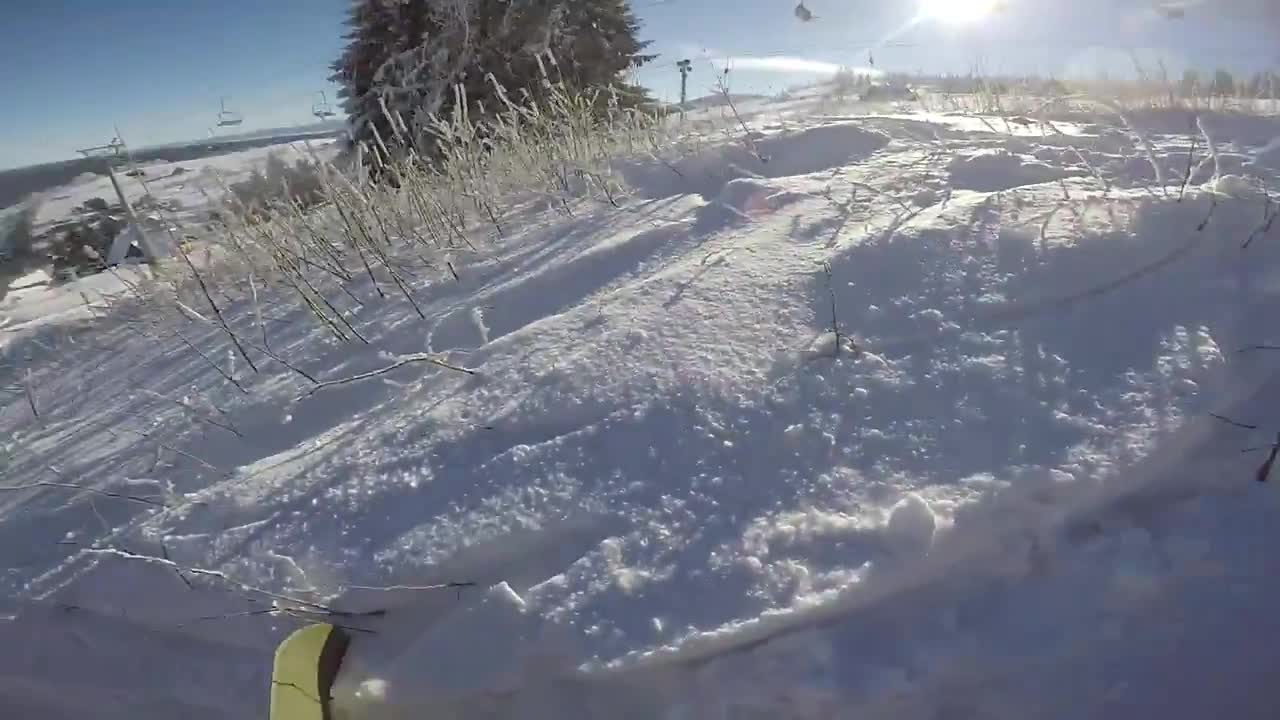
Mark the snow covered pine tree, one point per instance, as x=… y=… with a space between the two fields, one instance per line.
x=404 y=59
x=372 y=34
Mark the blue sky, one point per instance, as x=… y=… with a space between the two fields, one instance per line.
x=74 y=69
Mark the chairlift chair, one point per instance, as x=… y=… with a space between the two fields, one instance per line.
x=322 y=109
x=228 y=118
x=804 y=13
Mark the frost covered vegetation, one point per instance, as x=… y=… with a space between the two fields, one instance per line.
x=796 y=408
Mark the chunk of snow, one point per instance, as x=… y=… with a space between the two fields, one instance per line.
x=1236 y=186
x=911 y=525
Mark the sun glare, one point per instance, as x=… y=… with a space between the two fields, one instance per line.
x=957 y=12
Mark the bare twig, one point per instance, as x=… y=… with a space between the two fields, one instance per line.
x=257 y=311
x=414 y=588
x=196 y=414
x=172 y=449
x=209 y=361
x=265 y=350
x=835 y=317
x=877 y=191
x=275 y=610
x=1229 y=421
x=81 y=488
x=29 y=391
x=840 y=338
x=164 y=552
x=1213 y=206
x=229 y=616
x=1268 y=220
x=1264 y=472
x=405 y=360
x=747 y=140
x=1191 y=159
x=223 y=577
x=217 y=312
x=297 y=607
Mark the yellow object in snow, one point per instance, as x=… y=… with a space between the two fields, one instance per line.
x=306 y=665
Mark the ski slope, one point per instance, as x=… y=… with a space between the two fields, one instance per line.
x=865 y=414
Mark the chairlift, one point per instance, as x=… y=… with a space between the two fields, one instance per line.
x=228 y=118
x=322 y=109
x=804 y=13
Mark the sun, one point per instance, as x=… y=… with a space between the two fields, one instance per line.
x=957 y=12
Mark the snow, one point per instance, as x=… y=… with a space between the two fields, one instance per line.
x=987 y=486
x=33 y=301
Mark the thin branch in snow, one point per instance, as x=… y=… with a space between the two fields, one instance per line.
x=876 y=191
x=300 y=608
x=81 y=488
x=839 y=337
x=196 y=414
x=229 y=616
x=1268 y=221
x=1264 y=472
x=217 y=312
x=223 y=577
x=257 y=311
x=209 y=361
x=28 y=389
x=265 y=349
x=275 y=610
x=1213 y=205
x=413 y=588
x=164 y=552
x=723 y=87
x=1212 y=147
x=174 y=450
x=1191 y=159
x=835 y=316
x=1229 y=421
x=404 y=360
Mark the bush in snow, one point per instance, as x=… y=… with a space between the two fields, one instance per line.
x=344 y=230
x=846 y=84
x=409 y=62
x=278 y=183
x=16 y=234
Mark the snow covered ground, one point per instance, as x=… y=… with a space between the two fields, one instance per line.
x=863 y=415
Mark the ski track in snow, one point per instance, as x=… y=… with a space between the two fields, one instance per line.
x=997 y=494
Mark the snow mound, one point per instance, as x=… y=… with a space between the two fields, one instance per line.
x=990 y=171
x=911 y=526
x=803 y=151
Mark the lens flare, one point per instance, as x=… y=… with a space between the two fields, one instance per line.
x=958 y=12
